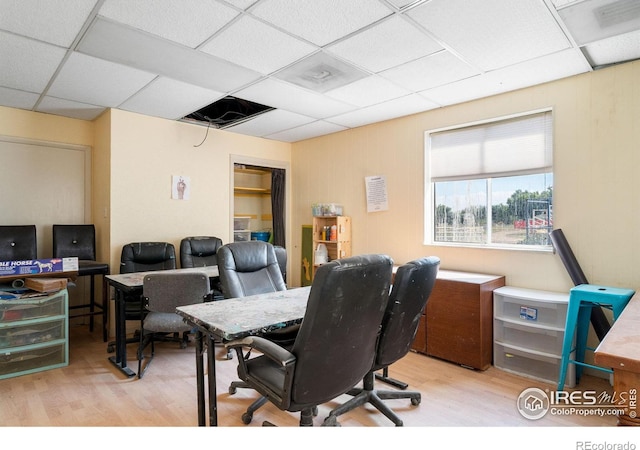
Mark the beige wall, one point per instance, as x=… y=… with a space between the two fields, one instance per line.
x=146 y=152
x=596 y=162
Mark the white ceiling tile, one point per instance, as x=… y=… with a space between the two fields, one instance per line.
x=392 y=109
x=241 y=4
x=613 y=50
x=170 y=99
x=125 y=45
x=42 y=19
x=593 y=20
x=321 y=21
x=311 y=130
x=493 y=33
x=559 y=65
x=17 y=99
x=257 y=46
x=69 y=108
x=387 y=44
x=270 y=122
x=98 y=82
x=281 y=95
x=368 y=91
x=430 y=71
x=188 y=22
x=27 y=64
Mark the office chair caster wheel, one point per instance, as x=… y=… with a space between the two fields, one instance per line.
x=183 y=345
x=415 y=401
x=110 y=349
x=232 y=390
x=247 y=418
x=331 y=421
x=314 y=411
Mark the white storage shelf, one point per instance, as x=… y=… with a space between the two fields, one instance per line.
x=528 y=333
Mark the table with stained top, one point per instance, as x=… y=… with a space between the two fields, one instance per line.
x=236 y=318
x=129 y=283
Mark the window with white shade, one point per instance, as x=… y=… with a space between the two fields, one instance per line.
x=491 y=183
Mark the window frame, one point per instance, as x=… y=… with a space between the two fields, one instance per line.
x=429 y=188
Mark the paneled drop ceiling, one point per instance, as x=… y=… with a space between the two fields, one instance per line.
x=322 y=65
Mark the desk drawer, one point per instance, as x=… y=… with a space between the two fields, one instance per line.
x=26 y=309
x=20 y=362
x=32 y=333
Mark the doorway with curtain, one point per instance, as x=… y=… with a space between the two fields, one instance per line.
x=259 y=201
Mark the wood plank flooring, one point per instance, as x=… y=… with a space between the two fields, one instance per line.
x=90 y=392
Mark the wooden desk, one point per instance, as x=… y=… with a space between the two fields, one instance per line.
x=458 y=320
x=236 y=318
x=620 y=350
x=128 y=283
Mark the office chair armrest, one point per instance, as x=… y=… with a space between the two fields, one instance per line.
x=268 y=348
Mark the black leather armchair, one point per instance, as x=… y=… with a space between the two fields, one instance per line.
x=18 y=242
x=80 y=241
x=412 y=287
x=201 y=251
x=248 y=268
x=142 y=257
x=335 y=346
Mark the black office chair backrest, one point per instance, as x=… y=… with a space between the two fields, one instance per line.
x=74 y=240
x=199 y=251
x=249 y=268
x=336 y=343
x=281 y=256
x=412 y=287
x=147 y=256
x=18 y=242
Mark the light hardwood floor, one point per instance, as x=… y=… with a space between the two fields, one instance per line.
x=90 y=392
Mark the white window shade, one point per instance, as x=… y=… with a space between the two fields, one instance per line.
x=517 y=146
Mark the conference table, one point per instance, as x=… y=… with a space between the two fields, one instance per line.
x=129 y=283
x=236 y=318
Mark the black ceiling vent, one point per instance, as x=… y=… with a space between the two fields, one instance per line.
x=226 y=112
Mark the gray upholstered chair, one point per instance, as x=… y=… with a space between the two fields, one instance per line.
x=18 y=242
x=412 y=287
x=335 y=346
x=201 y=251
x=162 y=294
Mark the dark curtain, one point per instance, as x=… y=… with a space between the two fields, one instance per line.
x=277 y=205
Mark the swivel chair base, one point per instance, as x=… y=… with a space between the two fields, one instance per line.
x=367 y=394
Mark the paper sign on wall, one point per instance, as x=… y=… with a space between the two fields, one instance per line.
x=180 y=187
x=376 y=193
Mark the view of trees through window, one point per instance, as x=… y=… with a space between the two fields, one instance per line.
x=521 y=210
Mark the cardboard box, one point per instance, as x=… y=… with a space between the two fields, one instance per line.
x=45 y=284
x=38 y=266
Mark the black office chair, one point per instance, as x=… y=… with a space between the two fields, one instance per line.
x=412 y=287
x=249 y=268
x=335 y=346
x=163 y=293
x=80 y=241
x=281 y=256
x=18 y=242
x=142 y=257
x=201 y=251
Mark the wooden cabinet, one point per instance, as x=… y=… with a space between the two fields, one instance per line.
x=337 y=248
x=459 y=318
x=33 y=334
